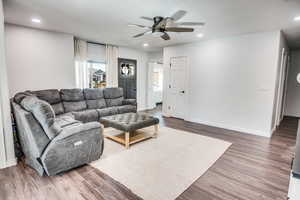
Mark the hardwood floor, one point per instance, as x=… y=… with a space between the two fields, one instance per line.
x=253 y=168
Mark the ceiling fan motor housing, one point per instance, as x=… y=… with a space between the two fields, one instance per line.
x=156 y=26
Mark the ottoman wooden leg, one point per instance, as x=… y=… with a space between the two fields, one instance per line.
x=127 y=139
x=155 y=131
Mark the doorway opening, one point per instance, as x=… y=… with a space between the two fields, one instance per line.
x=155 y=85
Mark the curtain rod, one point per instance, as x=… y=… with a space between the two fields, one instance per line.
x=95 y=43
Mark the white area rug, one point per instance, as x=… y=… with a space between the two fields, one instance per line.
x=161 y=168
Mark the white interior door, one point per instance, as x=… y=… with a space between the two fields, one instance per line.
x=177 y=87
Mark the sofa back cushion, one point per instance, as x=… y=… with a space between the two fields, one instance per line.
x=43 y=113
x=113 y=96
x=21 y=95
x=53 y=98
x=31 y=135
x=73 y=100
x=94 y=98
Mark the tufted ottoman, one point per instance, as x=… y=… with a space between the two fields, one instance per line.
x=129 y=123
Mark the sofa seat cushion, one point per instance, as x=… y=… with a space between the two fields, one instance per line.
x=113 y=96
x=107 y=111
x=126 y=109
x=66 y=121
x=69 y=114
x=43 y=113
x=86 y=116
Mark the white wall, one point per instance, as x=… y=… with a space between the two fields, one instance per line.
x=7 y=155
x=156 y=56
x=293 y=87
x=231 y=81
x=142 y=59
x=38 y=59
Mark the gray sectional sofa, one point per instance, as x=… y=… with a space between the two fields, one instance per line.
x=60 y=130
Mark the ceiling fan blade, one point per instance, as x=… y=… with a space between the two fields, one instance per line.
x=165 y=36
x=179 y=29
x=190 y=23
x=140 y=26
x=147 y=18
x=178 y=15
x=141 y=34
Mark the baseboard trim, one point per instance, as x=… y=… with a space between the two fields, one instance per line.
x=2 y=166
x=141 y=109
x=273 y=130
x=226 y=126
x=11 y=162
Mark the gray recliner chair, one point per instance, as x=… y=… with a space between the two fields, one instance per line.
x=52 y=145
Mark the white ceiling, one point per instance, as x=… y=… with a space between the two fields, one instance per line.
x=106 y=21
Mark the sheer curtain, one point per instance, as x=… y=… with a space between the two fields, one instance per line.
x=81 y=65
x=112 y=54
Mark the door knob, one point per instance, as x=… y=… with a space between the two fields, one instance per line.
x=182 y=91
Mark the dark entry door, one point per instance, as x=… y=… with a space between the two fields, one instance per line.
x=127 y=77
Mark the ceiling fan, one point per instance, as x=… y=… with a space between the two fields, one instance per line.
x=163 y=25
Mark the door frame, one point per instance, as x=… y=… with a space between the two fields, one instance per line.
x=2 y=143
x=186 y=82
x=281 y=87
x=287 y=67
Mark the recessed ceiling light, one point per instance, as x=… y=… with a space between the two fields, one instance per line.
x=200 y=35
x=36 y=20
x=145 y=44
x=297 y=18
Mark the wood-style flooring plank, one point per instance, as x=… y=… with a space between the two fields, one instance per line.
x=252 y=168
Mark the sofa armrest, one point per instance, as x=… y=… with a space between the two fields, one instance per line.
x=82 y=128
x=129 y=102
x=74 y=146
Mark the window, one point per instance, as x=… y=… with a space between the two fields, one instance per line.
x=97 y=74
x=96 y=67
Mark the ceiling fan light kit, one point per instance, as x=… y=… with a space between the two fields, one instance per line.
x=162 y=25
